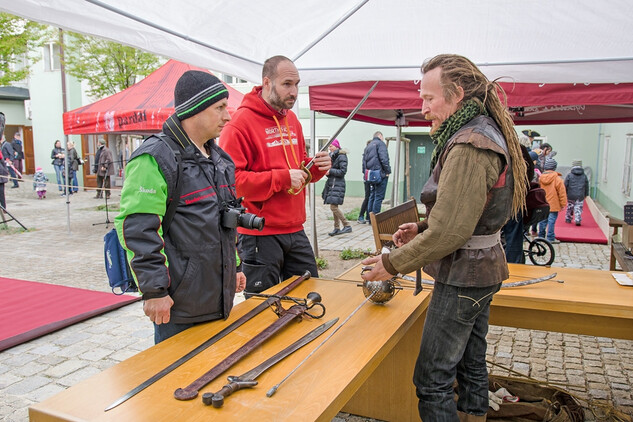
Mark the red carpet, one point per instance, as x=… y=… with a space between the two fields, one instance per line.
x=29 y=309
x=587 y=232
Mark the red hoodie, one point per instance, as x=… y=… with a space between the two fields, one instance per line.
x=253 y=141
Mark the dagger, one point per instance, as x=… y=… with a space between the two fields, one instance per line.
x=247 y=379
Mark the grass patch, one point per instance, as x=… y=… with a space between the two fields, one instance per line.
x=349 y=253
x=6 y=230
x=321 y=263
x=350 y=215
x=111 y=207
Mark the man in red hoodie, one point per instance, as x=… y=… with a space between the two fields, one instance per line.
x=265 y=140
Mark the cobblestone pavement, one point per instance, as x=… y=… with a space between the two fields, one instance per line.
x=64 y=246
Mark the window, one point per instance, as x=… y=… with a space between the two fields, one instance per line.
x=626 y=173
x=320 y=142
x=605 y=158
x=51 y=57
x=232 y=79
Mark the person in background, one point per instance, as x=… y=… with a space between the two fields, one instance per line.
x=577 y=188
x=376 y=157
x=477 y=183
x=265 y=140
x=537 y=175
x=73 y=166
x=554 y=187
x=4 y=171
x=57 y=154
x=39 y=183
x=334 y=189
x=188 y=274
x=18 y=148
x=8 y=153
x=531 y=134
x=105 y=169
x=544 y=153
x=513 y=230
x=363 y=215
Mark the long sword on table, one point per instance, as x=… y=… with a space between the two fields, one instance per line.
x=247 y=379
x=259 y=308
x=307 y=167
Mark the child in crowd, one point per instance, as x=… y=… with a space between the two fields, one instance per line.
x=577 y=186
x=554 y=187
x=39 y=183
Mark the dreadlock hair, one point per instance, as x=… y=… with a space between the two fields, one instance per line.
x=458 y=71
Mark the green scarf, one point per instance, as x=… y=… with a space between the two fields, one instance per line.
x=469 y=110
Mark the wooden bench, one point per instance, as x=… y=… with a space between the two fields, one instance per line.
x=386 y=223
x=618 y=251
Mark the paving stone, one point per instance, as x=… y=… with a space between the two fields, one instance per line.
x=65 y=368
x=117 y=335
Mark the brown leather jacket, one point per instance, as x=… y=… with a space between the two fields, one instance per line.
x=469 y=193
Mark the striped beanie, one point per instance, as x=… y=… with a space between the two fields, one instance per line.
x=195 y=91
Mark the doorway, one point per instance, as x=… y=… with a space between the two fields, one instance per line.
x=420 y=150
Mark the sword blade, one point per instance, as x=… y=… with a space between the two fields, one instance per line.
x=247 y=379
x=349 y=117
x=259 y=369
x=259 y=308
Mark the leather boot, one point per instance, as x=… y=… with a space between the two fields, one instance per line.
x=467 y=417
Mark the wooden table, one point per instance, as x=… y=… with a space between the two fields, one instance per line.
x=365 y=368
x=589 y=302
x=618 y=249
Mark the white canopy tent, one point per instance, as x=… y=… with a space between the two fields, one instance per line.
x=352 y=40
x=330 y=41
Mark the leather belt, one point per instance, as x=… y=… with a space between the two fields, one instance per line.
x=483 y=241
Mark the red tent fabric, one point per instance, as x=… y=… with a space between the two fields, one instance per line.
x=530 y=103
x=141 y=108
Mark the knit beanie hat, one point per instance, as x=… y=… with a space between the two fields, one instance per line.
x=195 y=91
x=38 y=169
x=576 y=163
x=550 y=164
x=336 y=144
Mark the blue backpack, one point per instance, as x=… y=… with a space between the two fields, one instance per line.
x=116 y=265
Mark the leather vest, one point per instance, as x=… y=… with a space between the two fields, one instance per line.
x=476 y=267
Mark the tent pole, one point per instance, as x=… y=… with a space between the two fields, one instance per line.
x=396 y=166
x=64 y=110
x=312 y=186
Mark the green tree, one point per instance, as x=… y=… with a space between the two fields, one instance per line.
x=18 y=37
x=106 y=66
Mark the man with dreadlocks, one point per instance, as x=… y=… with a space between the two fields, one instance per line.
x=476 y=185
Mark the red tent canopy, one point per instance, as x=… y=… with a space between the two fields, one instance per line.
x=530 y=103
x=141 y=108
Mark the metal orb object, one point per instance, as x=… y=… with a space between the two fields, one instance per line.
x=383 y=290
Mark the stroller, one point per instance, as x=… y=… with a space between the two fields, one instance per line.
x=539 y=250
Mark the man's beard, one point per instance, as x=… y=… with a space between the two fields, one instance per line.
x=434 y=125
x=276 y=101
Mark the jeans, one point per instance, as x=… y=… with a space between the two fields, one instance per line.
x=376 y=195
x=454 y=346
x=164 y=331
x=513 y=232
x=75 y=182
x=14 y=176
x=550 y=222
x=58 y=174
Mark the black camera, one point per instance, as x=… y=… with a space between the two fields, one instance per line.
x=234 y=215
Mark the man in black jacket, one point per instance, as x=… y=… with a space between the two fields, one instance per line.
x=188 y=274
x=376 y=157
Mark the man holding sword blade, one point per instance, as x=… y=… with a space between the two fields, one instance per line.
x=265 y=140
